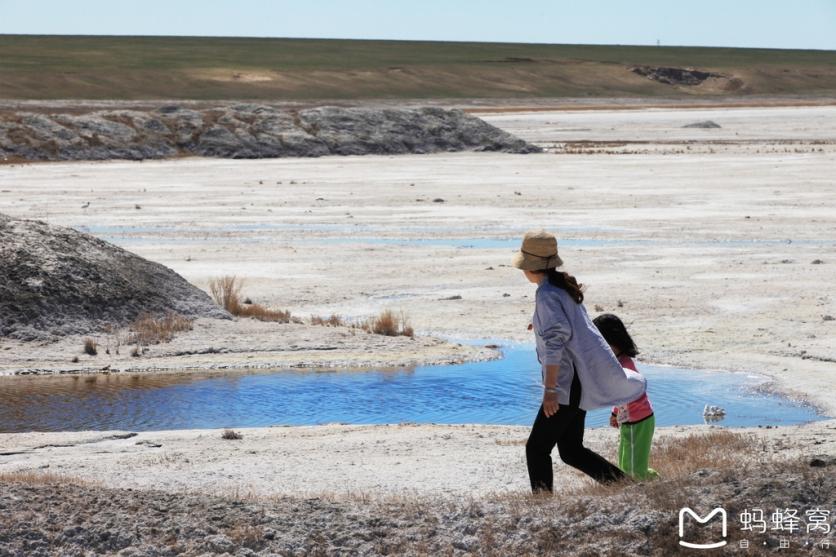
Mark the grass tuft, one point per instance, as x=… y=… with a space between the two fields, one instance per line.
x=231 y=435
x=389 y=324
x=90 y=347
x=257 y=311
x=333 y=321
x=226 y=291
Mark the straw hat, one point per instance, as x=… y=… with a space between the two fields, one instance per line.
x=538 y=252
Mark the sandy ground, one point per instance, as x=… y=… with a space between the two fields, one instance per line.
x=758 y=124
x=721 y=258
x=219 y=345
x=336 y=460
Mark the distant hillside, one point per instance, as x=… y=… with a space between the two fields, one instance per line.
x=135 y=68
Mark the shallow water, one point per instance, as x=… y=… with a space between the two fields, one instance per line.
x=409 y=236
x=503 y=391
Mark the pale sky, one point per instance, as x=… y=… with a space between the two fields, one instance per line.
x=803 y=24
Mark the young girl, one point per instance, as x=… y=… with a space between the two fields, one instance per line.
x=635 y=419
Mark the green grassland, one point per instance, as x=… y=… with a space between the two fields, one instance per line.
x=206 y=68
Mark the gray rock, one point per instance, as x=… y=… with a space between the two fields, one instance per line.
x=219 y=543
x=675 y=76
x=247 y=131
x=56 y=281
x=705 y=124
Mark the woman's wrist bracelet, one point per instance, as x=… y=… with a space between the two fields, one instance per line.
x=550 y=389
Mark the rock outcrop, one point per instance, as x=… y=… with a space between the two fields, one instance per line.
x=247 y=131
x=675 y=76
x=705 y=124
x=56 y=281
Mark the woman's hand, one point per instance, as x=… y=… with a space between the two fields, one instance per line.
x=550 y=405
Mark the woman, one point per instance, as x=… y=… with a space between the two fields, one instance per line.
x=579 y=370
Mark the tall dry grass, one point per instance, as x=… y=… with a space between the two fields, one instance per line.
x=226 y=291
x=390 y=324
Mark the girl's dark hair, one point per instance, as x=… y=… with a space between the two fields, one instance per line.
x=567 y=282
x=615 y=333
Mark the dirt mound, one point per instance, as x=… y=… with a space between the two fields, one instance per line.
x=56 y=281
x=705 y=124
x=247 y=131
x=675 y=76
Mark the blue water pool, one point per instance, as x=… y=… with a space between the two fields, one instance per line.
x=407 y=236
x=503 y=391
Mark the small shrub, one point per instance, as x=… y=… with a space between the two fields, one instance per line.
x=135 y=353
x=90 y=347
x=229 y=434
x=74 y=360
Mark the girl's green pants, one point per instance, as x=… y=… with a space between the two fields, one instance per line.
x=634 y=450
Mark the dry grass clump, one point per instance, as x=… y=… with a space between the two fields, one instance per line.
x=389 y=324
x=226 y=291
x=231 y=435
x=257 y=311
x=718 y=449
x=30 y=477
x=677 y=459
x=333 y=321
x=147 y=329
x=90 y=347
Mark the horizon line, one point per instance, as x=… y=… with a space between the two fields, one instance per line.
x=439 y=41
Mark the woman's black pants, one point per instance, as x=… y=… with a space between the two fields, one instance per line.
x=564 y=429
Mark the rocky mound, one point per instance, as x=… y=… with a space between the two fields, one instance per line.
x=705 y=124
x=56 y=281
x=247 y=131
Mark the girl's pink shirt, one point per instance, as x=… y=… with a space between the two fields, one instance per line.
x=637 y=410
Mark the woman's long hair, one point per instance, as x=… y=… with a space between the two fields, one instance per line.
x=567 y=282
